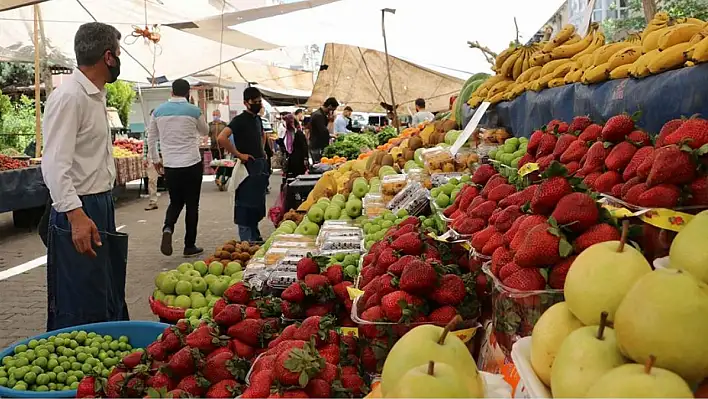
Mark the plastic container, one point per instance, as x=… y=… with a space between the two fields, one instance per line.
x=292 y=238
x=170 y=314
x=332 y=231
x=438 y=160
x=374 y=205
x=256 y=275
x=392 y=185
x=342 y=244
x=438 y=179
x=533 y=387
x=139 y=333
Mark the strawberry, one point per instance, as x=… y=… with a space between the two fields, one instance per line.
x=443 y=315
x=475 y=202
x=231 y=315
x=450 y=290
x=693 y=132
x=545 y=161
x=639 y=156
x=285 y=346
x=386 y=258
x=495 y=241
x=466 y=195
x=259 y=384
x=305 y=266
x=572 y=167
x=354 y=384
x=194 y=385
x=591 y=133
x=556 y=279
x=699 y=192
x=546 y=146
x=668 y=128
x=373 y=314
x=219 y=305
x=408 y=244
x=238 y=293
x=266 y=362
x=534 y=141
x=418 y=277
x=156 y=351
x=589 y=180
x=134 y=387
x=219 y=351
x=398 y=266
x=552 y=125
x=577 y=210
x=296 y=366
x=564 y=142
x=660 y=196
x=578 y=124
x=529 y=222
x=617 y=128
x=223 y=389
x=507 y=217
x=495 y=214
x=595 y=158
x=340 y=290
x=634 y=192
x=369 y=258
x=247 y=331
x=541 y=247
x=316 y=282
x=483 y=210
x=318 y=389
x=605 y=182
x=500 y=192
x=639 y=138
x=176 y=393
x=645 y=166
x=291 y=310
x=330 y=353
x=182 y=363
x=481 y=237
x=399 y=303
x=241 y=350
x=131 y=360
x=549 y=193
x=598 y=233
x=295 y=393
x=294 y=293
x=628 y=185
x=671 y=166
x=620 y=155
x=509 y=234
x=526 y=158
x=493 y=182
x=409 y=228
x=507 y=270
x=526 y=279
x=224 y=366
x=412 y=220
x=574 y=152
x=335 y=274
x=519 y=198
x=319 y=309
x=89 y=387
x=467 y=225
x=205 y=338
x=387 y=284
x=316 y=327
x=482 y=174
x=500 y=258
x=617 y=190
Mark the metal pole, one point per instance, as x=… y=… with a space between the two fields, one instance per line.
x=396 y=122
x=37 y=90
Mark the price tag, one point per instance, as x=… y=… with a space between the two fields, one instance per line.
x=617 y=212
x=528 y=168
x=666 y=219
x=466 y=334
x=354 y=293
x=469 y=129
x=349 y=331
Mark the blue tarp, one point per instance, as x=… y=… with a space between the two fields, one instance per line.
x=660 y=98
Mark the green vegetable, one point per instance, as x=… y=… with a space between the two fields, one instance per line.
x=351 y=145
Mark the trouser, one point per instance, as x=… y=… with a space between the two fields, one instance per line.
x=316 y=154
x=81 y=289
x=184 y=186
x=249 y=233
x=152 y=183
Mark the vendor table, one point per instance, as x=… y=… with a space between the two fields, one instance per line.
x=297 y=190
x=22 y=192
x=129 y=169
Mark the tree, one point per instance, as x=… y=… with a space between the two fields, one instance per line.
x=16 y=74
x=120 y=95
x=617 y=29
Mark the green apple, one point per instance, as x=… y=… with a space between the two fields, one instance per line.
x=353 y=207
x=192 y=273
x=168 y=284
x=323 y=200
x=433 y=380
x=169 y=300
x=639 y=381
x=198 y=300
x=339 y=197
x=442 y=200
x=435 y=191
x=402 y=213
x=289 y=224
x=216 y=268
x=688 y=250
x=184 y=267
x=316 y=214
x=184 y=277
x=231 y=268
x=344 y=216
x=465 y=178
x=332 y=213
x=209 y=278
x=201 y=267
x=158 y=295
x=220 y=285
x=238 y=276
x=388 y=215
x=360 y=187
x=310 y=229
x=386 y=224
x=183 y=288
x=198 y=284
x=159 y=278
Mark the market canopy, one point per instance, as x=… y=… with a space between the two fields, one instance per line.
x=10 y=4
x=357 y=77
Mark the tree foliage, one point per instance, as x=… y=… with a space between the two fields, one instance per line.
x=16 y=74
x=617 y=29
x=120 y=95
x=17 y=122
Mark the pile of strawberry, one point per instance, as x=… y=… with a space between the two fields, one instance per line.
x=308 y=360
x=320 y=291
x=620 y=160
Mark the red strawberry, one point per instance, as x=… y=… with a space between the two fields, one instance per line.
x=495 y=241
x=330 y=353
x=572 y=167
x=223 y=366
x=534 y=141
x=526 y=158
x=418 y=277
x=524 y=228
x=633 y=193
x=131 y=360
x=294 y=293
x=526 y=279
x=403 y=230
x=693 y=132
x=450 y=210
x=386 y=258
x=668 y=128
x=519 y=198
x=509 y=235
x=219 y=306
x=546 y=146
x=247 y=331
x=617 y=190
x=353 y=383
x=89 y=387
x=182 y=363
x=557 y=277
x=578 y=124
x=475 y=203
x=564 y=142
x=316 y=282
x=204 y=338
x=412 y=220
x=241 y=350
x=316 y=327
x=482 y=174
x=373 y=314
x=318 y=389
x=397 y=267
x=238 y=293
x=443 y=315
x=259 y=384
x=466 y=195
x=628 y=185
x=699 y=192
x=595 y=158
x=294 y=364
x=591 y=133
x=500 y=258
x=266 y=362
x=394 y=304
x=553 y=124
x=295 y=393
x=617 y=128
x=671 y=166
x=408 y=244
x=156 y=351
x=223 y=389
x=540 y=248
x=369 y=258
x=194 y=385
x=577 y=210
x=639 y=156
x=328 y=373
x=493 y=182
x=494 y=215
x=231 y=315
x=340 y=290
x=500 y=192
x=467 y=225
x=291 y=310
x=507 y=270
x=620 y=155
x=481 y=237
x=607 y=180
x=483 y=210
x=319 y=309
x=545 y=161
x=334 y=274
x=598 y=233
x=589 y=180
x=660 y=196
x=507 y=217
x=285 y=346
x=645 y=167
x=387 y=284
x=640 y=138
x=549 y=193
x=305 y=266
x=450 y=290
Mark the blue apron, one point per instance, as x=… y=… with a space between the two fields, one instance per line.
x=81 y=289
x=250 y=205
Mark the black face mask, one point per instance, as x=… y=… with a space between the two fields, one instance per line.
x=255 y=108
x=114 y=70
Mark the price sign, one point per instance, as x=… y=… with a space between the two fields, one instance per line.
x=469 y=129
x=528 y=168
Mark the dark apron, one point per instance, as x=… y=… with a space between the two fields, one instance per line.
x=250 y=205
x=80 y=289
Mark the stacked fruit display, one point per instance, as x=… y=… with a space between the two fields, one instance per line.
x=446 y=193
x=8 y=163
x=656 y=343
x=234 y=251
x=375 y=229
x=130 y=144
x=119 y=152
x=59 y=362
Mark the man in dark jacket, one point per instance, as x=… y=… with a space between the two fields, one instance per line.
x=319 y=132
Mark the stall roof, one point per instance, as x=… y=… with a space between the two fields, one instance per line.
x=10 y=4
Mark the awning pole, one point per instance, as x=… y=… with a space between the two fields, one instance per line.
x=37 y=89
x=396 y=122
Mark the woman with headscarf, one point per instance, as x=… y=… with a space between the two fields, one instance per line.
x=295 y=148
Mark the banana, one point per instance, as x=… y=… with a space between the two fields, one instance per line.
x=535 y=85
x=518 y=90
x=691 y=21
x=568 y=50
x=560 y=38
x=698 y=37
x=681 y=33
x=502 y=57
x=556 y=82
x=563 y=69
x=620 y=72
x=700 y=52
x=582 y=59
x=540 y=59
x=498 y=88
x=499 y=97
x=518 y=64
x=573 y=76
x=526 y=75
x=634 y=38
x=689 y=64
x=535 y=75
x=595 y=74
x=640 y=68
x=597 y=42
x=508 y=65
x=651 y=41
x=551 y=66
x=670 y=58
x=660 y=20
x=543 y=80
x=625 y=56
x=573 y=39
x=603 y=54
x=475 y=101
x=481 y=93
x=491 y=81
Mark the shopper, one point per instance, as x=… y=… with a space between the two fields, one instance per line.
x=244 y=137
x=343 y=123
x=152 y=174
x=86 y=258
x=421 y=115
x=319 y=131
x=215 y=127
x=179 y=125
x=295 y=145
x=299 y=119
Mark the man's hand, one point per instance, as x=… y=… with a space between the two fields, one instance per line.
x=159 y=168
x=84 y=233
x=245 y=157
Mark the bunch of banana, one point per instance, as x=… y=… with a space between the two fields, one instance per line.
x=572 y=48
x=634 y=38
x=640 y=67
x=483 y=89
x=660 y=21
x=698 y=52
x=516 y=61
x=622 y=60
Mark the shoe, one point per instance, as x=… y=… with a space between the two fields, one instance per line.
x=151 y=207
x=166 y=243
x=193 y=251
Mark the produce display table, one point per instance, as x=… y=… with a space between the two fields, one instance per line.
x=297 y=190
x=659 y=98
x=129 y=169
x=22 y=192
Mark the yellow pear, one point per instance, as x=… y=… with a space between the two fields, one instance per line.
x=600 y=276
x=689 y=250
x=584 y=356
x=665 y=314
x=548 y=334
x=640 y=381
x=430 y=343
x=432 y=380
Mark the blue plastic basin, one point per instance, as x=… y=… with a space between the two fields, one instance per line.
x=140 y=334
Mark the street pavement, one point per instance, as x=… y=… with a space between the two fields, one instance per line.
x=23 y=297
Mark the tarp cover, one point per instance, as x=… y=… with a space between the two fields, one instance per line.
x=22 y=189
x=660 y=98
x=10 y=4
x=357 y=77
x=271 y=78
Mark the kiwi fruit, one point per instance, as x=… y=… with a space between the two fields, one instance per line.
x=229 y=248
x=414 y=143
x=387 y=160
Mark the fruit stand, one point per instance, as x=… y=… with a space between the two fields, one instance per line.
x=22 y=191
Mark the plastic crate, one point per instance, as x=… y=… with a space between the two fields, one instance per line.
x=533 y=387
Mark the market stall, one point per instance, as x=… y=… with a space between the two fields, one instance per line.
x=22 y=192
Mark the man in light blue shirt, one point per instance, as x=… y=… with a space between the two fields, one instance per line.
x=342 y=125
x=421 y=115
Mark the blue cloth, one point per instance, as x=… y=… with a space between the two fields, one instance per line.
x=249 y=233
x=660 y=98
x=81 y=289
x=250 y=205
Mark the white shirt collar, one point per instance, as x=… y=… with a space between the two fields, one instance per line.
x=177 y=100
x=88 y=85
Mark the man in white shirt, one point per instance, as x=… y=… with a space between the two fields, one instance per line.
x=421 y=115
x=86 y=258
x=178 y=126
x=343 y=121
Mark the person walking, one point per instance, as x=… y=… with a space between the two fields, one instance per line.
x=178 y=125
x=295 y=148
x=244 y=137
x=215 y=127
x=86 y=256
x=319 y=128
x=152 y=175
